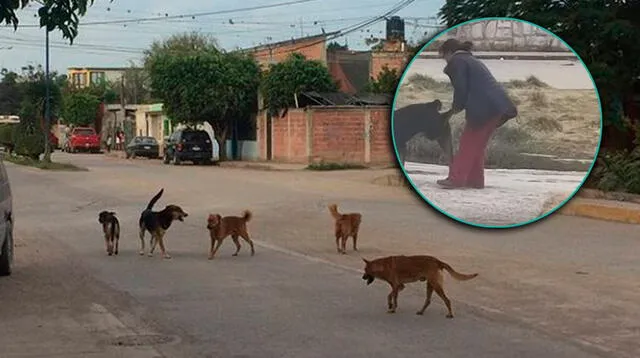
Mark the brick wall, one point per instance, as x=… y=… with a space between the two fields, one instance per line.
x=310 y=48
x=397 y=60
x=333 y=134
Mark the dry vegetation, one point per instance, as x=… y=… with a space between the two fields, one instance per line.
x=564 y=124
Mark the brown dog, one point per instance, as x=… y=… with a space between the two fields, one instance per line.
x=398 y=270
x=221 y=227
x=345 y=225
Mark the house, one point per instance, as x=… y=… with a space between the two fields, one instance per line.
x=86 y=76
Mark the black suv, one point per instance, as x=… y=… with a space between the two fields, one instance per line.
x=188 y=145
x=6 y=222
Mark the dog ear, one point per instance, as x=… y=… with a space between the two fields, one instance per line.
x=365 y=260
x=112 y=213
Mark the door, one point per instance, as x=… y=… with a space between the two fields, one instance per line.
x=269 y=139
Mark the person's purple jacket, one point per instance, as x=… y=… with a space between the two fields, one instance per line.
x=477 y=92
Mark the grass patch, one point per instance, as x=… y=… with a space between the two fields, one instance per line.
x=544 y=124
x=428 y=83
x=538 y=98
x=16 y=159
x=531 y=81
x=326 y=166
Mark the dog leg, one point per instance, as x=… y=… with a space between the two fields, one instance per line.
x=344 y=244
x=142 y=230
x=160 y=240
x=152 y=245
x=338 y=242
x=213 y=252
x=355 y=241
x=427 y=300
x=245 y=236
x=117 y=240
x=237 y=243
x=106 y=244
x=395 y=297
x=390 y=308
x=440 y=292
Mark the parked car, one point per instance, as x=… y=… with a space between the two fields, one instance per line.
x=6 y=223
x=142 y=146
x=188 y=145
x=83 y=138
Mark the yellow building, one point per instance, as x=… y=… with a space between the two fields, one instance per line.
x=85 y=76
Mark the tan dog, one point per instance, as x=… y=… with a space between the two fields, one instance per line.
x=345 y=225
x=399 y=270
x=221 y=227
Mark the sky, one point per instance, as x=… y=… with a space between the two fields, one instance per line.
x=117 y=44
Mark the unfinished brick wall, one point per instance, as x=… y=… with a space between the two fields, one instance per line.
x=311 y=48
x=332 y=134
x=397 y=60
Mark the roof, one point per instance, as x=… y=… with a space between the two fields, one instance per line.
x=354 y=65
x=343 y=99
x=84 y=68
x=292 y=41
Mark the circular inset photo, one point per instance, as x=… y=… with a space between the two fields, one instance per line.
x=496 y=122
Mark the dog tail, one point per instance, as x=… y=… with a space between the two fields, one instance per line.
x=458 y=276
x=333 y=209
x=155 y=199
x=247 y=215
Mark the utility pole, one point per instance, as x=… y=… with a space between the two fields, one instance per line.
x=47 y=101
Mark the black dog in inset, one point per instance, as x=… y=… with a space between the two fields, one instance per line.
x=157 y=223
x=111 y=229
x=423 y=118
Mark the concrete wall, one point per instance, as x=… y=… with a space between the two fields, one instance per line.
x=333 y=134
x=502 y=35
x=311 y=48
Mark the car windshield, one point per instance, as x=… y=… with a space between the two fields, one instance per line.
x=146 y=140
x=84 y=131
x=195 y=136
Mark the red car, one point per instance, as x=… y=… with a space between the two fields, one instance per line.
x=83 y=139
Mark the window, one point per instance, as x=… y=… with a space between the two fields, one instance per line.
x=79 y=79
x=97 y=77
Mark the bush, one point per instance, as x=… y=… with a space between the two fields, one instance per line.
x=6 y=136
x=28 y=138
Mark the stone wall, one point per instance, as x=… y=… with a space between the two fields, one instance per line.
x=504 y=35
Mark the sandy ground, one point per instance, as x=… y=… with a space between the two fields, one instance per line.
x=511 y=197
x=540 y=289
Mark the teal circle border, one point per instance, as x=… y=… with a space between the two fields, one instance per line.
x=512 y=226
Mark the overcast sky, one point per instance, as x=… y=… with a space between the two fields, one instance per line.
x=114 y=45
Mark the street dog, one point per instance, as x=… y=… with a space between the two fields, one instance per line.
x=400 y=270
x=424 y=118
x=111 y=230
x=235 y=226
x=345 y=225
x=157 y=223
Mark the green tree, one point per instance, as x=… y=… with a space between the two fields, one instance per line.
x=10 y=96
x=54 y=14
x=33 y=88
x=286 y=79
x=202 y=84
x=386 y=82
x=609 y=51
x=80 y=108
x=28 y=135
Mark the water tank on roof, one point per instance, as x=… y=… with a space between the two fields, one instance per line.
x=395 y=28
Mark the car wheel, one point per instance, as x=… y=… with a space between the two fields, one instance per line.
x=175 y=160
x=207 y=162
x=6 y=256
x=165 y=158
x=133 y=155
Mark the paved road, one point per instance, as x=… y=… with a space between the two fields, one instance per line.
x=566 y=287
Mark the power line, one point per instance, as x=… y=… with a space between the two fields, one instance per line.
x=347 y=30
x=193 y=15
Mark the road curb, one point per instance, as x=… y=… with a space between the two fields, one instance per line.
x=606 y=210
